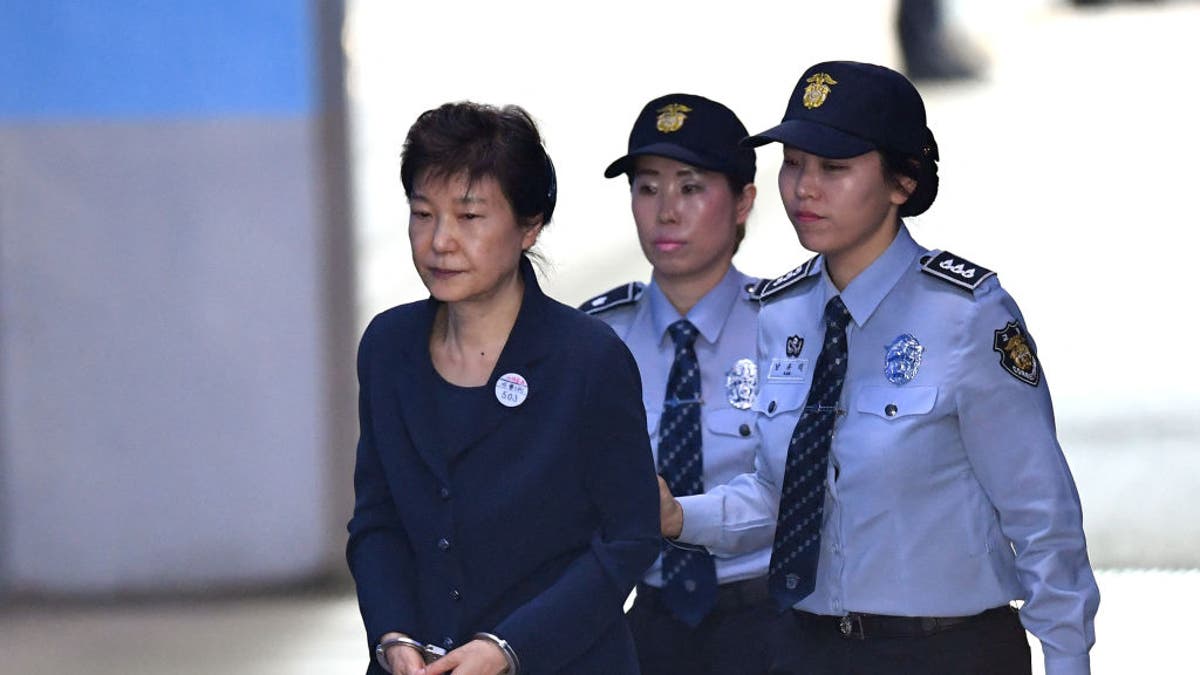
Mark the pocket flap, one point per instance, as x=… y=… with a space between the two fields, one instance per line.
x=778 y=398
x=730 y=421
x=891 y=402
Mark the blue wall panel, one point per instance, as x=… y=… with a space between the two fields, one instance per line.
x=155 y=59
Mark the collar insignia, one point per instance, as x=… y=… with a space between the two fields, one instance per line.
x=795 y=344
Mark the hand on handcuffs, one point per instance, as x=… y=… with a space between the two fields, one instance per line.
x=485 y=655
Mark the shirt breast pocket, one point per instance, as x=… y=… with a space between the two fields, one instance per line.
x=896 y=403
x=780 y=399
x=730 y=423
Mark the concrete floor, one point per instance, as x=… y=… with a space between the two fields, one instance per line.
x=1145 y=625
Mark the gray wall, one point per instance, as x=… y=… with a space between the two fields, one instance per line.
x=176 y=363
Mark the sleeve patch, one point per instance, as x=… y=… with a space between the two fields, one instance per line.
x=618 y=297
x=1016 y=356
x=956 y=270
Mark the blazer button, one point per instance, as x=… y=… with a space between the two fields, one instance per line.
x=444 y=544
x=444 y=492
x=744 y=430
x=455 y=595
x=448 y=642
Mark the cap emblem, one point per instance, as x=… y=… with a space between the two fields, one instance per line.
x=671 y=117
x=817 y=90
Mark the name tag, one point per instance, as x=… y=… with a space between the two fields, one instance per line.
x=788 y=370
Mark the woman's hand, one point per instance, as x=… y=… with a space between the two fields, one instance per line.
x=402 y=659
x=477 y=657
x=670 y=513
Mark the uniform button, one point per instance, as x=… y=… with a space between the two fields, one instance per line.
x=444 y=493
x=455 y=595
x=771 y=407
x=890 y=410
x=444 y=544
x=448 y=642
x=744 y=430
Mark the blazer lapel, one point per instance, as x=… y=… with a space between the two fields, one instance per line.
x=413 y=384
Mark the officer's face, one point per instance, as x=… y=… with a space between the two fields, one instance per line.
x=466 y=242
x=686 y=218
x=842 y=208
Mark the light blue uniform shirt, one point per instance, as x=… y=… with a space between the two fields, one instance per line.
x=947 y=494
x=725 y=318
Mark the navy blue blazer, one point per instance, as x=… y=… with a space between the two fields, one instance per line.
x=538 y=527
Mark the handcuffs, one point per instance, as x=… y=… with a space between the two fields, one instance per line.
x=429 y=653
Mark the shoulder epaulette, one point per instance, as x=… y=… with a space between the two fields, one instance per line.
x=769 y=287
x=626 y=294
x=956 y=270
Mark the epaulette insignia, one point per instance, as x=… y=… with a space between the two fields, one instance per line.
x=958 y=271
x=768 y=287
x=626 y=294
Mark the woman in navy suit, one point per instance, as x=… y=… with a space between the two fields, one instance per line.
x=506 y=502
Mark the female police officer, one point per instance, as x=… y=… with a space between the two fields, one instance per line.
x=505 y=498
x=905 y=417
x=692 y=333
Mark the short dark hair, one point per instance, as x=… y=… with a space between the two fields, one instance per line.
x=479 y=140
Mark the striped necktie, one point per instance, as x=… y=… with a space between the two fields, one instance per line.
x=689 y=576
x=793 y=570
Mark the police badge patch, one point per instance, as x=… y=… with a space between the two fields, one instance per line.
x=1015 y=354
x=794 y=345
x=903 y=359
x=741 y=383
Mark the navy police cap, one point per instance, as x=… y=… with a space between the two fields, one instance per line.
x=843 y=109
x=690 y=129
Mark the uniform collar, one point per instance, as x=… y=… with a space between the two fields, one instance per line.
x=708 y=316
x=863 y=295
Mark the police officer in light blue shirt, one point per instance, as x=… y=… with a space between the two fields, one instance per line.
x=691 y=192
x=908 y=433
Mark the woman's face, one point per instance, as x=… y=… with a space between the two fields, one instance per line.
x=687 y=218
x=840 y=207
x=466 y=241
